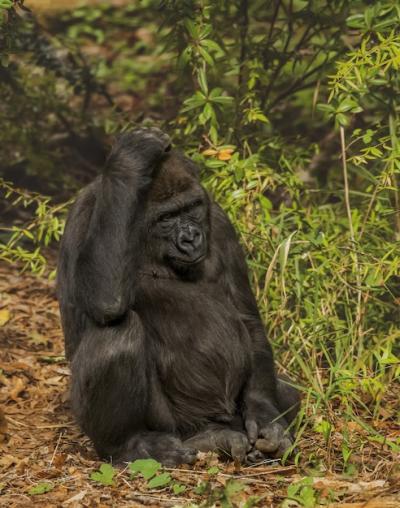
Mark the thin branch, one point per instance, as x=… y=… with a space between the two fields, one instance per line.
x=353 y=241
x=244 y=26
x=284 y=58
x=273 y=21
x=346 y=184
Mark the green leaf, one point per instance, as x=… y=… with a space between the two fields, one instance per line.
x=342 y=119
x=213 y=470
x=355 y=21
x=326 y=108
x=197 y=100
x=232 y=487
x=202 y=78
x=40 y=488
x=252 y=501
x=307 y=497
x=105 y=475
x=201 y=488
x=146 y=467
x=222 y=99
x=191 y=28
x=212 y=45
x=178 y=488
x=206 y=56
x=159 y=481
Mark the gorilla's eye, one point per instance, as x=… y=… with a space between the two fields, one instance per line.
x=165 y=217
x=196 y=203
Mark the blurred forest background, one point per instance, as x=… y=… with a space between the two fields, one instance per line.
x=292 y=110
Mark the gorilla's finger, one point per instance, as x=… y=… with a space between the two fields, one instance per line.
x=239 y=446
x=188 y=456
x=270 y=438
x=284 y=445
x=272 y=432
x=267 y=445
x=252 y=430
x=180 y=456
x=254 y=456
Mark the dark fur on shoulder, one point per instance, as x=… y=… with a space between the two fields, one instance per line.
x=168 y=352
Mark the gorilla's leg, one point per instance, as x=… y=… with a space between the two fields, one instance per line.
x=221 y=438
x=110 y=395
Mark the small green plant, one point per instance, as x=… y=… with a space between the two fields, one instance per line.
x=302 y=493
x=105 y=475
x=224 y=495
x=145 y=467
x=325 y=428
x=149 y=469
x=40 y=488
x=213 y=470
x=178 y=488
x=161 y=480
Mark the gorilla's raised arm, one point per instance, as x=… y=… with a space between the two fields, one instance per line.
x=106 y=260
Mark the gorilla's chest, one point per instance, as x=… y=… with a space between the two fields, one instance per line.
x=201 y=352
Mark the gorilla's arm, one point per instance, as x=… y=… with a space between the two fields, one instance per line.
x=106 y=257
x=260 y=398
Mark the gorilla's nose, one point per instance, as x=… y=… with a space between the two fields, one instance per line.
x=189 y=240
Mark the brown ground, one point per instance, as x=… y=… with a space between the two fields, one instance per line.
x=43 y=444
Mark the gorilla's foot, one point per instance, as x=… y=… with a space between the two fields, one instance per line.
x=272 y=443
x=222 y=439
x=166 y=448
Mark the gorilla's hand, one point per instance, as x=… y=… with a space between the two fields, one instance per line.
x=149 y=142
x=137 y=154
x=266 y=435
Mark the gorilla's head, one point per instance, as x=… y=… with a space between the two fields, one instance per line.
x=177 y=215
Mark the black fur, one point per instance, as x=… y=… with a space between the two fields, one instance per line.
x=168 y=352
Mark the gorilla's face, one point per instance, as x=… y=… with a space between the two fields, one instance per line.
x=179 y=216
x=181 y=230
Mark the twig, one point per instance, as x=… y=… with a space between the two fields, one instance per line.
x=56 y=447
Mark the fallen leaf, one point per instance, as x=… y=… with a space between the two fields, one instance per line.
x=3 y=427
x=76 y=498
x=38 y=339
x=18 y=386
x=7 y=460
x=4 y=316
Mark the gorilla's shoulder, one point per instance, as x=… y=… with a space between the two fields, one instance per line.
x=220 y=219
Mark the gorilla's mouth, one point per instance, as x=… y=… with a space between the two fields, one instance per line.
x=188 y=262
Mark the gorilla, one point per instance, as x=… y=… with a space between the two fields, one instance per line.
x=167 y=349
